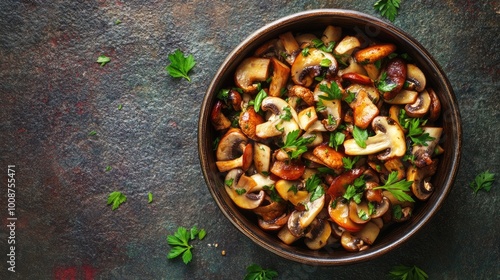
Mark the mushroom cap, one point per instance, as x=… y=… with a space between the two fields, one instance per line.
x=231 y=144
x=318 y=234
x=373 y=53
x=421 y=187
x=250 y=71
x=246 y=200
x=415 y=77
x=420 y=107
x=305 y=68
x=389 y=137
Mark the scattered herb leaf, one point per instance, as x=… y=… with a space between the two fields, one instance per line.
x=93 y=133
x=102 y=59
x=150 y=197
x=402 y=272
x=360 y=136
x=382 y=84
x=256 y=272
x=387 y=8
x=180 y=242
x=397 y=188
x=180 y=65
x=483 y=181
x=116 y=198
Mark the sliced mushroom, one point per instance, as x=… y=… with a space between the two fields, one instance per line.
x=248 y=122
x=421 y=186
x=261 y=157
x=291 y=46
x=331 y=34
x=372 y=70
x=300 y=220
x=283 y=119
x=396 y=76
x=423 y=153
x=250 y=71
x=415 y=78
x=242 y=194
x=307 y=117
x=357 y=78
x=420 y=107
x=374 y=53
x=304 y=93
x=234 y=98
x=288 y=170
x=389 y=137
x=347 y=45
x=339 y=184
x=288 y=190
x=281 y=72
x=404 y=97
x=306 y=68
x=338 y=210
x=218 y=119
x=359 y=213
x=231 y=145
x=305 y=39
x=286 y=236
x=372 y=92
x=435 y=108
x=332 y=111
x=329 y=156
x=381 y=208
x=361 y=240
x=318 y=234
x=244 y=161
x=364 y=111
x=354 y=67
x=396 y=164
x=274 y=224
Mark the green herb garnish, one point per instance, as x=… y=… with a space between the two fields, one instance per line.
x=180 y=65
x=402 y=272
x=102 y=59
x=360 y=136
x=116 y=198
x=295 y=145
x=483 y=181
x=387 y=8
x=256 y=272
x=180 y=243
x=397 y=188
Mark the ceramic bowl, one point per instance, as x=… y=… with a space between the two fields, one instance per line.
x=368 y=27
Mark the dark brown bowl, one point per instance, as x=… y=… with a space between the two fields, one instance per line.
x=370 y=27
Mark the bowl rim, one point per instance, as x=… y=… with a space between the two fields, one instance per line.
x=392 y=30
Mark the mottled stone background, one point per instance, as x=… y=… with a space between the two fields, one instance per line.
x=53 y=93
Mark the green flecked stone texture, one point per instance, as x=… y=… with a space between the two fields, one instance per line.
x=53 y=94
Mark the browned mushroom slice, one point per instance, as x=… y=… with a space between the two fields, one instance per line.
x=421 y=186
x=281 y=72
x=261 y=157
x=346 y=46
x=364 y=110
x=289 y=191
x=380 y=208
x=394 y=75
x=331 y=34
x=359 y=213
x=286 y=236
x=329 y=156
x=234 y=99
x=282 y=121
x=218 y=119
x=404 y=97
x=251 y=71
x=288 y=170
x=420 y=107
x=231 y=144
x=248 y=122
x=306 y=67
x=415 y=78
x=300 y=220
x=274 y=224
x=242 y=194
x=374 y=53
x=354 y=67
x=396 y=164
x=291 y=46
x=435 y=108
x=388 y=139
x=361 y=240
x=307 y=117
x=304 y=93
x=318 y=234
x=357 y=78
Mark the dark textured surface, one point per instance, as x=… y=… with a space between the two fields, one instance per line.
x=52 y=94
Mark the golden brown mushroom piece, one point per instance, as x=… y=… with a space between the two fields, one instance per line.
x=241 y=193
x=306 y=68
x=251 y=71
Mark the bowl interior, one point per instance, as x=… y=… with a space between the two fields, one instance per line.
x=370 y=29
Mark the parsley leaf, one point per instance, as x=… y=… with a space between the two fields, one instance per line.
x=333 y=92
x=258 y=100
x=336 y=139
x=483 y=181
x=382 y=84
x=397 y=188
x=180 y=65
x=295 y=145
x=350 y=162
x=387 y=8
x=402 y=272
x=415 y=130
x=102 y=59
x=317 y=43
x=116 y=198
x=355 y=190
x=150 y=197
x=360 y=136
x=180 y=242
x=313 y=186
x=256 y=272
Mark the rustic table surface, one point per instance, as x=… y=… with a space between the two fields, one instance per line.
x=76 y=131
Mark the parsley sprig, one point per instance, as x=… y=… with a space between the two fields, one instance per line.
x=317 y=43
x=402 y=272
x=387 y=8
x=256 y=272
x=415 y=130
x=295 y=145
x=355 y=190
x=180 y=242
x=180 y=65
x=383 y=85
x=332 y=91
x=313 y=186
x=483 y=181
x=397 y=188
x=360 y=136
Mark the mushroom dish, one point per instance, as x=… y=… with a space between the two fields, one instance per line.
x=326 y=139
